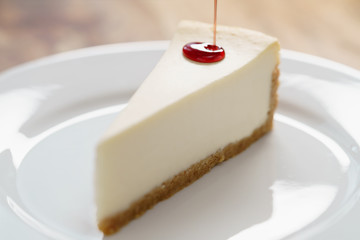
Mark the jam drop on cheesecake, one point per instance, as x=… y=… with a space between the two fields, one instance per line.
x=205 y=52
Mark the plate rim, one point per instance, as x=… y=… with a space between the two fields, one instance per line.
x=162 y=45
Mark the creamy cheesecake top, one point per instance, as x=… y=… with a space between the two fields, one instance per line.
x=185 y=77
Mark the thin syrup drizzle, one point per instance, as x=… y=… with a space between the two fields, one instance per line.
x=215 y=20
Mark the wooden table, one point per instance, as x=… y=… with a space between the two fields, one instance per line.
x=30 y=29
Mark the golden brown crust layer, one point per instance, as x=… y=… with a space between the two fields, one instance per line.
x=183 y=179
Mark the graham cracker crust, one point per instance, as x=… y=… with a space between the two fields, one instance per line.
x=168 y=188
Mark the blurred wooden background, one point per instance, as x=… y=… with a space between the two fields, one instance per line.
x=30 y=29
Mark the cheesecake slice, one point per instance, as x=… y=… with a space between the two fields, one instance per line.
x=184 y=119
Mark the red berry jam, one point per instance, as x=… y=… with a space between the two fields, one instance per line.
x=203 y=52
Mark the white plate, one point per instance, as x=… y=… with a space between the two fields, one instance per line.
x=301 y=181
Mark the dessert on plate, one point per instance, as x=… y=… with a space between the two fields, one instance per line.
x=184 y=119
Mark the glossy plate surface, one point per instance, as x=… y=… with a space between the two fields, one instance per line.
x=301 y=181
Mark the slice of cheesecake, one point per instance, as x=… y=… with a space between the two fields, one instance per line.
x=184 y=119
